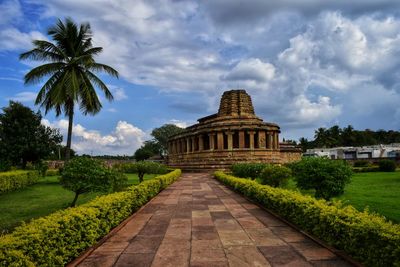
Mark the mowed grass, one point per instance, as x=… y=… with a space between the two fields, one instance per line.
x=41 y=199
x=377 y=191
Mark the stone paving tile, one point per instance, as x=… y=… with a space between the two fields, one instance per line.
x=199 y=222
x=242 y=256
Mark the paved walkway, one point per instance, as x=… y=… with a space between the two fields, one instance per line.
x=199 y=222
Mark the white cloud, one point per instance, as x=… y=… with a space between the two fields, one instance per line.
x=302 y=71
x=123 y=140
x=252 y=69
x=112 y=110
x=13 y=39
x=117 y=92
x=180 y=123
x=24 y=97
x=10 y=11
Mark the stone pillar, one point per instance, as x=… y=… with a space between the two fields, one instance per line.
x=241 y=139
x=193 y=147
x=211 y=140
x=230 y=140
x=201 y=143
x=187 y=145
x=180 y=146
x=269 y=139
x=220 y=140
x=261 y=139
x=276 y=138
x=251 y=135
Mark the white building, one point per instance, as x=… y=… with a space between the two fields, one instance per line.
x=363 y=152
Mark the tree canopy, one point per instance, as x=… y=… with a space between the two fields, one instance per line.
x=162 y=134
x=348 y=136
x=22 y=136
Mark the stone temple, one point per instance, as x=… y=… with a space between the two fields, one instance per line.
x=234 y=134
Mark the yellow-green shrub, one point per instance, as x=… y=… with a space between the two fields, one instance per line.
x=367 y=237
x=56 y=239
x=52 y=172
x=13 y=180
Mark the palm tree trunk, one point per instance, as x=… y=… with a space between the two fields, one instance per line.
x=69 y=137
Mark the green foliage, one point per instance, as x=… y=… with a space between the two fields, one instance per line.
x=57 y=239
x=327 y=177
x=71 y=69
x=22 y=136
x=387 y=165
x=52 y=172
x=13 y=180
x=41 y=167
x=147 y=150
x=144 y=167
x=347 y=136
x=162 y=134
x=5 y=165
x=275 y=175
x=82 y=175
x=247 y=170
x=367 y=237
x=366 y=169
x=125 y=167
x=361 y=163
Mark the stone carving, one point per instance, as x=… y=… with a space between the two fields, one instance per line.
x=234 y=134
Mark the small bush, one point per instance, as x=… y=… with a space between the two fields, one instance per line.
x=52 y=172
x=125 y=167
x=248 y=170
x=144 y=167
x=275 y=175
x=328 y=177
x=82 y=175
x=60 y=237
x=13 y=180
x=41 y=167
x=367 y=237
x=387 y=165
x=361 y=163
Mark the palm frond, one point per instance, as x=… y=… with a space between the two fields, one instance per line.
x=99 y=83
x=102 y=67
x=37 y=74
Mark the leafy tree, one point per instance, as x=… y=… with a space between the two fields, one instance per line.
x=82 y=175
x=22 y=136
x=275 y=175
x=162 y=134
x=71 y=68
x=347 y=136
x=327 y=177
x=147 y=150
x=143 y=167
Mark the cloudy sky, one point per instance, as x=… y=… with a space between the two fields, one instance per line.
x=306 y=63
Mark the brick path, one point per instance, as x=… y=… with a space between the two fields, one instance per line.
x=199 y=222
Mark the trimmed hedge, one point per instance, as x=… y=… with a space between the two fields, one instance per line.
x=13 y=180
x=57 y=239
x=367 y=237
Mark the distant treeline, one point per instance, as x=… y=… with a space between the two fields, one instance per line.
x=110 y=157
x=347 y=136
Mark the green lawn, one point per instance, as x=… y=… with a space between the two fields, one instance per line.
x=379 y=191
x=42 y=199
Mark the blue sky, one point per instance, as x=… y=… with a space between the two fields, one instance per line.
x=306 y=63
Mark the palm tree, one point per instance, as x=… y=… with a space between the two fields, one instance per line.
x=70 y=68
